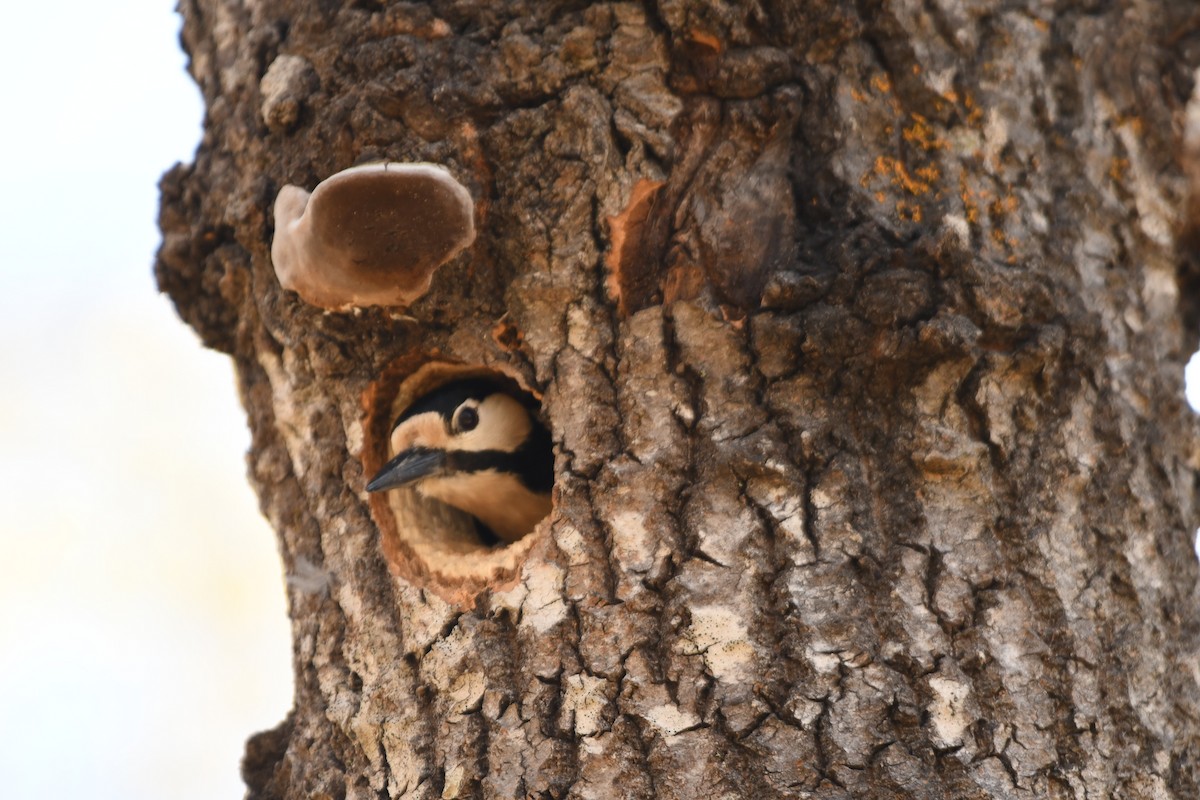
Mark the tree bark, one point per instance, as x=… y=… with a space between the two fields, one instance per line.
x=859 y=327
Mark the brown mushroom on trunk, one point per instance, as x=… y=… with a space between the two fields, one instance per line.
x=370 y=235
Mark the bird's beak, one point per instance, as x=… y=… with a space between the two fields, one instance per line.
x=409 y=466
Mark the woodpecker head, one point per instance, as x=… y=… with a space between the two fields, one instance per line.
x=479 y=447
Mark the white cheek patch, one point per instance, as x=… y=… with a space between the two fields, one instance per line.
x=423 y=430
x=503 y=425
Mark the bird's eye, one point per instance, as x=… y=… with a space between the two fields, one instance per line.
x=468 y=418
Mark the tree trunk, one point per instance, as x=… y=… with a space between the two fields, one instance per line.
x=860 y=332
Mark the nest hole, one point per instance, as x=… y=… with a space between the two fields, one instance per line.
x=426 y=542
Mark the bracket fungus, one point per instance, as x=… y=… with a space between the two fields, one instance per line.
x=370 y=235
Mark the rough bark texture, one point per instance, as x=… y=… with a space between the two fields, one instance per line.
x=859 y=329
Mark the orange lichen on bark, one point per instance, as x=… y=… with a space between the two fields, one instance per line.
x=1117 y=168
x=625 y=231
x=922 y=134
x=974 y=112
x=507 y=335
x=967 y=195
x=1003 y=206
x=887 y=166
x=910 y=212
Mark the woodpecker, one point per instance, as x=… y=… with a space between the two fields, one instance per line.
x=476 y=446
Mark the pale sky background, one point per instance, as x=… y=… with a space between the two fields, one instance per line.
x=143 y=633
x=143 y=630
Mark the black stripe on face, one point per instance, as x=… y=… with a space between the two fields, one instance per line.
x=532 y=464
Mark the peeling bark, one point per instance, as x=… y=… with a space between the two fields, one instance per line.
x=860 y=332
